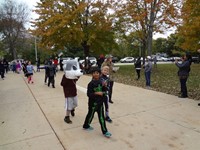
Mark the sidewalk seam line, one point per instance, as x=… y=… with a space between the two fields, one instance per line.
x=44 y=114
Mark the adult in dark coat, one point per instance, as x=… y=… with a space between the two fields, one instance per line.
x=183 y=73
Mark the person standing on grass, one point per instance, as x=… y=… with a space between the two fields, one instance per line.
x=183 y=73
x=138 y=67
x=108 y=62
x=95 y=94
x=155 y=62
x=147 y=71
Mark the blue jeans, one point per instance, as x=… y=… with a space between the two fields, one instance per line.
x=148 y=78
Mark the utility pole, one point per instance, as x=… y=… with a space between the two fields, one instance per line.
x=35 y=49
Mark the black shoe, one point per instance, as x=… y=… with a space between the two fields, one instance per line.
x=110 y=101
x=72 y=112
x=67 y=120
x=108 y=119
x=53 y=86
x=183 y=96
x=199 y=104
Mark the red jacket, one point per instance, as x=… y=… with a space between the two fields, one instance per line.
x=55 y=62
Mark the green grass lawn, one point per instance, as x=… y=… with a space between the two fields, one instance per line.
x=163 y=78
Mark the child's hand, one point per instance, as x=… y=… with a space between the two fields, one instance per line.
x=99 y=93
x=104 y=83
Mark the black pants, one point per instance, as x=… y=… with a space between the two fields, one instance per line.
x=45 y=78
x=138 y=73
x=51 y=80
x=110 y=90
x=106 y=104
x=183 y=86
x=2 y=74
x=92 y=108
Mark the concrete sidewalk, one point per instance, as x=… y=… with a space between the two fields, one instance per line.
x=31 y=118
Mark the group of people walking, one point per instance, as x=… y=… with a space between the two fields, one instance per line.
x=99 y=92
x=99 y=89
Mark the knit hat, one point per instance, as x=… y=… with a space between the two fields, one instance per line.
x=108 y=56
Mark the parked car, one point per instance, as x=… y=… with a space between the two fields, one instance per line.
x=92 y=60
x=127 y=60
x=115 y=59
x=164 y=58
x=176 y=58
x=64 y=59
x=195 y=59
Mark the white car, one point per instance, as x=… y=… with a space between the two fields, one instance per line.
x=93 y=61
x=65 y=59
x=127 y=60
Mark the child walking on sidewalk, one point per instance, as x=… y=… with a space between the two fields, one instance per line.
x=71 y=101
x=106 y=83
x=30 y=70
x=95 y=94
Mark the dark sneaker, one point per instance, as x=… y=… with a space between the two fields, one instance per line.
x=108 y=119
x=199 y=104
x=72 y=112
x=67 y=120
x=53 y=86
x=108 y=134
x=110 y=101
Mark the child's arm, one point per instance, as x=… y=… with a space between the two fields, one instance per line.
x=63 y=81
x=91 y=93
x=99 y=93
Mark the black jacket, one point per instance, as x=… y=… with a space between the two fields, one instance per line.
x=95 y=86
x=138 y=63
x=184 y=68
x=51 y=70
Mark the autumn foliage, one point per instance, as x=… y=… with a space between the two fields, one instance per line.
x=190 y=28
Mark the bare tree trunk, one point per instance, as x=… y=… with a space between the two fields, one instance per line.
x=149 y=41
x=143 y=51
x=13 y=17
x=13 y=51
x=86 y=49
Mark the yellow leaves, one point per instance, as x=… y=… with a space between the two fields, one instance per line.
x=65 y=21
x=191 y=22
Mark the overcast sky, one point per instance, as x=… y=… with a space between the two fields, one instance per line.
x=32 y=3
